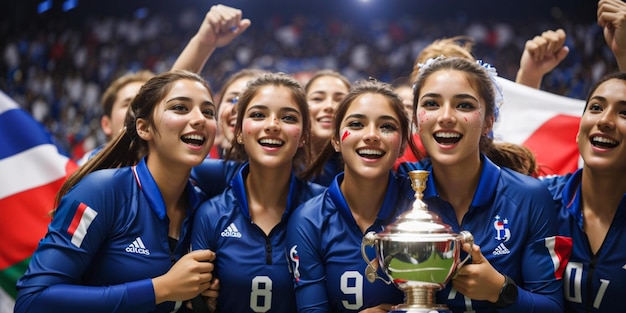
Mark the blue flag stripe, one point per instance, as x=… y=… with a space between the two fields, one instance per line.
x=13 y=139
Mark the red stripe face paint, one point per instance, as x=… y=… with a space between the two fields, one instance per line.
x=345 y=134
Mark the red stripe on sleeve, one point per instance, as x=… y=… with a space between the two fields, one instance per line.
x=76 y=220
x=563 y=250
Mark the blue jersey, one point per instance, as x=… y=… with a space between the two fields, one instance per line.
x=212 y=176
x=252 y=266
x=324 y=244
x=332 y=167
x=513 y=221
x=108 y=238
x=592 y=283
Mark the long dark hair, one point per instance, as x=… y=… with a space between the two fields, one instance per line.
x=127 y=148
x=111 y=93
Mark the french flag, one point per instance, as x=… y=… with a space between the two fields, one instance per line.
x=32 y=171
x=544 y=122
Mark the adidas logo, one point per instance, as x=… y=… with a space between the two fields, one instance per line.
x=231 y=231
x=138 y=247
x=501 y=249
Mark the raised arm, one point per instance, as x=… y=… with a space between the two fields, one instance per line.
x=612 y=17
x=541 y=55
x=221 y=25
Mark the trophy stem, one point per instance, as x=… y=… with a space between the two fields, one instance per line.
x=420 y=296
x=420 y=300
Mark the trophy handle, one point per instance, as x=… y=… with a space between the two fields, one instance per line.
x=466 y=237
x=372 y=265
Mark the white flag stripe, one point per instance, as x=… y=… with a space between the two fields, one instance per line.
x=551 y=245
x=6 y=103
x=525 y=109
x=27 y=171
x=6 y=302
x=85 y=220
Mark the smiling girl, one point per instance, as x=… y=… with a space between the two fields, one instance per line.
x=591 y=203
x=370 y=131
x=518 y=259
x=246 y=224
x=324 y=91
x=120 y=233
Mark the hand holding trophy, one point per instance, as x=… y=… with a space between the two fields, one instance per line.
x=418 y=253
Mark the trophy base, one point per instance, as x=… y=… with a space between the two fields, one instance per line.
x=421 y=309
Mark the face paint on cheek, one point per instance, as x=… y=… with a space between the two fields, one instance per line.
x=345 y=134
x=477 y=115
x=296 y=134
x=421 y=117
x=477 y=119
x=247 y=127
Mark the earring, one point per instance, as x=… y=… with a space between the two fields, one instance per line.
x=239 y=140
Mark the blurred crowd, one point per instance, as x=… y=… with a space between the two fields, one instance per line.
x=57 y=70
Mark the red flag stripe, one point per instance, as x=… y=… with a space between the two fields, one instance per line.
x=23 y=221
x=544 y=122
x=554 y=145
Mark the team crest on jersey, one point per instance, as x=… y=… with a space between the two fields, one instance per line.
x=501 y=225
x=294 y=261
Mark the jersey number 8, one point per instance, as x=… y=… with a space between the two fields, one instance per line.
x=261 y=294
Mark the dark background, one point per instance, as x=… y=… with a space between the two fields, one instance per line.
x=19 y=14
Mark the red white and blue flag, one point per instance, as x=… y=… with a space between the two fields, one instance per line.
x=32 y=171
x=544 y=122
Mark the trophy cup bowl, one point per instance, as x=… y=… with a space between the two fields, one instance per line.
x=418 y=253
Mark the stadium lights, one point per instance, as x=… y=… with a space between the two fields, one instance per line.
x=46 y=5
x=69 y=4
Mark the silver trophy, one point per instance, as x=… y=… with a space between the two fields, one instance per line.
x=418 y=253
